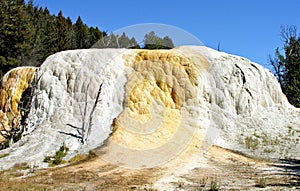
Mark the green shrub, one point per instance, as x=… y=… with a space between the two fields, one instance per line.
x=57 y=159
x=251 y=143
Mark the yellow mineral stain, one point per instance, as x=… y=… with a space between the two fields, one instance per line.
x=144 y=93
x=14 y=83
x=165 y=76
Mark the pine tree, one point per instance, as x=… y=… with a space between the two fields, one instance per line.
x=81 y=34
x=63 y=40
x=37 y=51
x=50 y=41
x=152 y=41
x=134 y=44
x=287 y=67
x=167 y=42
x=94 y=35
x=72 y=42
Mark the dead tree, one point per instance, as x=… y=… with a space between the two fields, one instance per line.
x=83 y=132
x=27 y=100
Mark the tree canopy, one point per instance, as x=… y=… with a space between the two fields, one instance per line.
x=29 y=34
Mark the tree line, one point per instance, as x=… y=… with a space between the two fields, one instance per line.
x=29 y=34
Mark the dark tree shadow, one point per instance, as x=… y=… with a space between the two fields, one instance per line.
x=290 y=168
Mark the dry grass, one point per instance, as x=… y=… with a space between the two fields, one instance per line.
x=10 y=184
x=77 y=159
x=224 y=171
x=78 y=177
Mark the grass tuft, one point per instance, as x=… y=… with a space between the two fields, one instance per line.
x=214 y=186
x=261 y=183
x=4 y=155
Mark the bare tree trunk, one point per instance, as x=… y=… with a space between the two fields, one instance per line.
x=85 y=129
x=92 y=112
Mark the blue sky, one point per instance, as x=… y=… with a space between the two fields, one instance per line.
x=246 y=28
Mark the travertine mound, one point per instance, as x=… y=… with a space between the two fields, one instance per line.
x=156 y=103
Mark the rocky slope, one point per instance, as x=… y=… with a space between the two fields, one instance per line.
x=150 y=106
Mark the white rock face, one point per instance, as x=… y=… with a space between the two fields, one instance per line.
x=239 y=104
x=248 y=108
